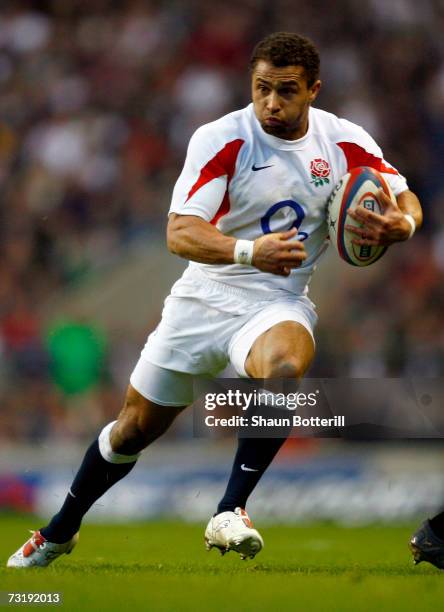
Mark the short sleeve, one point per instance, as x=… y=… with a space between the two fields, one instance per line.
x=209 y=166
x=360 y=149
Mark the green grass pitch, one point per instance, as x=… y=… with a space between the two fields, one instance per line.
x=161 y=566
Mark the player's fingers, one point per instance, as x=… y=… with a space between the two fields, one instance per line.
x=291 y=263
x=292 y=245
x=292 y=266
x=385 y=201
x=283 y=271
x=365 y=242
x=359 y=231
x=289 y=234
x=365 y=216
x=292 y=255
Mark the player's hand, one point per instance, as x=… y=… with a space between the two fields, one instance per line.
x=278 y=253
x=379 y=230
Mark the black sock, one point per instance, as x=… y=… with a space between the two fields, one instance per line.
x=94 y=478
x=253 y=457
x=437 y=525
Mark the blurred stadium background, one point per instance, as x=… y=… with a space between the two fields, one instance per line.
x=97 y=101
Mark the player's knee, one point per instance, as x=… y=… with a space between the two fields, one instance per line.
x=284 y=367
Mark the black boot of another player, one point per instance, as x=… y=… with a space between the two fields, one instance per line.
x=426 y=546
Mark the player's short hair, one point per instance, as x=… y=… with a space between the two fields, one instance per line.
x=288 y=49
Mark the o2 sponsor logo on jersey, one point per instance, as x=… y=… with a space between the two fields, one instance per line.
x=298 y=210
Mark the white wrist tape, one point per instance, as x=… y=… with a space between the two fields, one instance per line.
x=412 y=222
x=243 y=252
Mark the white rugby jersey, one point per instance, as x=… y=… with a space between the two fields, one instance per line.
x=249 y=183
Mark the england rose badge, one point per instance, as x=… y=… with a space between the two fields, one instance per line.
x=320 y=171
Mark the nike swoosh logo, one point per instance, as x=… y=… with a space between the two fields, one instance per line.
x=247 y=469
x=256 y=168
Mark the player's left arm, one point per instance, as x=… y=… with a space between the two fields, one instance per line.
x=393 y=225
x=399 y=220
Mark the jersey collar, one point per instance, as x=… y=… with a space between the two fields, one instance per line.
x=280 y=143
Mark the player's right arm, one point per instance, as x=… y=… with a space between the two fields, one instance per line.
x=200 y=198
x=193 y=238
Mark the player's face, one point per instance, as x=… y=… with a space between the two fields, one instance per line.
x=281 y=99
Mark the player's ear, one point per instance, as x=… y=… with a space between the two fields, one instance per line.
x=314 y=90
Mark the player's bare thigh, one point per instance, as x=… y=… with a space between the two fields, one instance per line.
x=286 y=350
x=140 y=422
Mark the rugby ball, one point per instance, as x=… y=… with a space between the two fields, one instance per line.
x=358 y=187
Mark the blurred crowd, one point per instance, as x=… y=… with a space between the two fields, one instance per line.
x=98 y=99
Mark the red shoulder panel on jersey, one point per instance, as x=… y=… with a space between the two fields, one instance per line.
x=222 y=164
x=358 y=156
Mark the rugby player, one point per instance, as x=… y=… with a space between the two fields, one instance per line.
x=249 y=212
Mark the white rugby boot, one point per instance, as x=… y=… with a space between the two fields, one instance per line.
x=38 y=552
x=233 y=531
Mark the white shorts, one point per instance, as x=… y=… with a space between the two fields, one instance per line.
x=206 y=325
